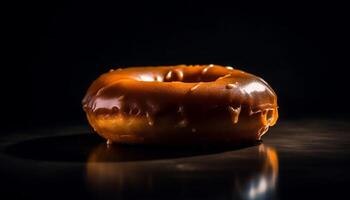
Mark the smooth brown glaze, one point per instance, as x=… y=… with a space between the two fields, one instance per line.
x=201 y=104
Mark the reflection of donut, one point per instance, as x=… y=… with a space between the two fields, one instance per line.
x=249 y=173
x=207 y=104
x=262 y=184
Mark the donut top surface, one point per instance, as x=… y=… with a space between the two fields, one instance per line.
x=149 y=90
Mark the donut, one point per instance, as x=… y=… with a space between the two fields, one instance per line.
x=180 y=105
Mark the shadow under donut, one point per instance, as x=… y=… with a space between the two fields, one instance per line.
x=80 y=147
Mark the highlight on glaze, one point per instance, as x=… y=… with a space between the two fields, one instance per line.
x=165 y=105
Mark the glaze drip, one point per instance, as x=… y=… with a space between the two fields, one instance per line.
x=234 y=112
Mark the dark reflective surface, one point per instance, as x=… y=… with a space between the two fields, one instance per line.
x=80 y=148
x=250 y=174
x=305 y=159
x=66 y=148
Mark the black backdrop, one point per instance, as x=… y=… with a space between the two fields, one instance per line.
x=57 y=48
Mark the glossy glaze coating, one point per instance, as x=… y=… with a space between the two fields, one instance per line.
x=202 y=104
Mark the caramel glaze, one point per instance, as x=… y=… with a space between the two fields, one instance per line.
x=201 y=104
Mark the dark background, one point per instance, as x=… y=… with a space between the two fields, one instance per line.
x=55 y=49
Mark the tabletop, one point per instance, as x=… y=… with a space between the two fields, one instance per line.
x=297 y=159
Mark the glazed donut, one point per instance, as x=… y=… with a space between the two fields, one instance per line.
x=201 y=104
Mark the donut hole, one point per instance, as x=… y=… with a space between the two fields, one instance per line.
x=199 y=74
x=199 y=78
x=192 y=78
x=177 y=78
